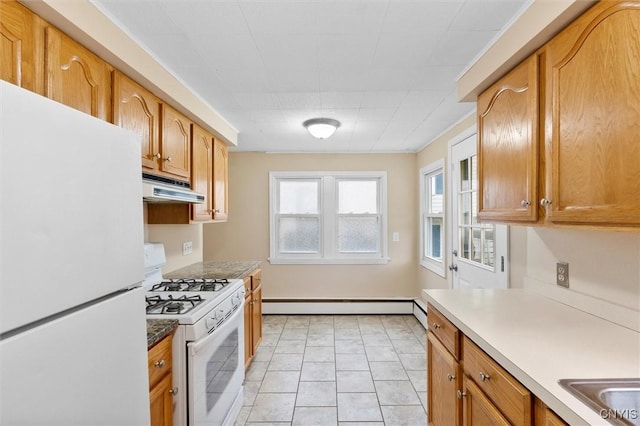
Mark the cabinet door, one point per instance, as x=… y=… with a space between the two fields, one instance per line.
x=137 y=109
x=248 y=346
x=592 y=86
x=508 y=146
x=256 y=318
x=443 y=383
x=202 y=172
x=176 y=143
x=478 y=409
x=21 y=46
x=161 y=401
x=76 y=77
x=220 y=181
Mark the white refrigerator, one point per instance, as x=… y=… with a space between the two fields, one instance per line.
x=72 y=311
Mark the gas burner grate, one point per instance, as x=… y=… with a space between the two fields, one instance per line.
x=172 y=305
x=190 y=284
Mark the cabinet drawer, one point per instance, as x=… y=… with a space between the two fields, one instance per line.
x=506 y=393
x=444 y=330
x=159 y=360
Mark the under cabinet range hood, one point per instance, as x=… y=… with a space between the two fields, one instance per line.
x=157 y=189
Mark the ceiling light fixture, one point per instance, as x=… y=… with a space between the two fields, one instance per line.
x=321 y=128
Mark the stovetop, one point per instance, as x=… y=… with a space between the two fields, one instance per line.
x=190 y=284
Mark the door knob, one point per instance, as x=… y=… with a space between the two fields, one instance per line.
x=453 y=267
x=173 y=391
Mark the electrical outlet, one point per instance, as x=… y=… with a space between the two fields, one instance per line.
x=562 y=274
x=187 y=248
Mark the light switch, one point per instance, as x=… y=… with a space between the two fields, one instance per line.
x=396 y=236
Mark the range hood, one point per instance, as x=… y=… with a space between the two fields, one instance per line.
x=157 y=189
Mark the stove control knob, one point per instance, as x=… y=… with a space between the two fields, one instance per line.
x=210 y=323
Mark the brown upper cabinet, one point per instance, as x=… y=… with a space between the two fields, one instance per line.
x=137 y=109
x=21 y=46
x=508 y=146
x=175 y=143
x=220 y=181
x=578 y=163
x=202 y=173
x=592 y=111
x=76 y=77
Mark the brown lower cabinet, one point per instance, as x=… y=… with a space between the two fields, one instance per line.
x=161 y=388
x=252 y=314
x=466 y=386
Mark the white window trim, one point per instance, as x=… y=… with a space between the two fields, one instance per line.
x=436 y=266
x=327 y=226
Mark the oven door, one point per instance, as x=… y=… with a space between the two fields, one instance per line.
x=216 y=372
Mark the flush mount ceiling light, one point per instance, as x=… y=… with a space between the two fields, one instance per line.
x=321 y=128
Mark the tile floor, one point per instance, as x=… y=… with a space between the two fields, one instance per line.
x=337 y=370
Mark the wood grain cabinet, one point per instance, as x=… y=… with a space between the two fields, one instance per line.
x=252 y=315
x=175 y=143
x=220 y=181
x=161 y=390
x=21 y=46
x=137 y=109
x=592 y=130
x=202 y=173
x=76 y=77
x=465 y=385
x=508 y=146
x=578 y=161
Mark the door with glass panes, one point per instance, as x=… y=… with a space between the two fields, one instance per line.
x=479 y=250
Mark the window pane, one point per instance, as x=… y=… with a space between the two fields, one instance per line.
x=464 y=175
x=298 y=197
x=474 y=208
x=436 y=197
x=465 y=208
x=434 y=235
x=358 y=234
x=489 y=255
x=358 y=196
x=299 y=235
x=465 y=242
x=475 y=244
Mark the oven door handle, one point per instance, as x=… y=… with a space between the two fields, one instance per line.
x=194 y=347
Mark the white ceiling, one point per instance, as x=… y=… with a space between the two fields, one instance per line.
x=386 y=69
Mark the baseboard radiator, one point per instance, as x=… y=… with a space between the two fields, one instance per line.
x=345 y=307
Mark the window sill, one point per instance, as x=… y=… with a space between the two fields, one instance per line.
x=360 y=261
x=435 y=267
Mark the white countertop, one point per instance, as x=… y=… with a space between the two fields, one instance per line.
x=540 y=341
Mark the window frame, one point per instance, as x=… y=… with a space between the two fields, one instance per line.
x=329 y=219
x=430 y=263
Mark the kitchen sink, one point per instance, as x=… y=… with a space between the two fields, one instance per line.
x=616 y=400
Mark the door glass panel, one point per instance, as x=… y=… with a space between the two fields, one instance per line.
x=465 y=242
x=488 y=248
x=464 y=174
x=476 y=250
x=465 y=208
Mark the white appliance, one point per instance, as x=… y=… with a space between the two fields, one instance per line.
x=72 y=311
x=208 y=346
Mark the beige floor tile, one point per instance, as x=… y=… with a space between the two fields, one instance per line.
x=387 y=370
x=414 y=361
x=294 y=334
x=319 y=354
x=280 y=382
x=290 y=347
x=250 y=393
x=285 y=362
x=418 y=379
x=315 y=416
x=318 y=372
x=381 y=353
x=255 y=372
x=320 y=340
x=376 y=339
x=351 y=346
x=404 y=415
x=351 y=362
x=358 y=407
x=355 y=381
x=273 y=407
x=396 y=392
x=348 y=333
x=316 y=394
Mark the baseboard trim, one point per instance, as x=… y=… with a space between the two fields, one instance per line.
x=337 y=306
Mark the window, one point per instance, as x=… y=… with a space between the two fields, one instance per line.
x=432 y=210
x=336 y=217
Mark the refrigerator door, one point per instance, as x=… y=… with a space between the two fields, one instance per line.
x=87 y=368
x=71 y=203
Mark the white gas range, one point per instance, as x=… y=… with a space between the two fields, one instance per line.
x=208 y=346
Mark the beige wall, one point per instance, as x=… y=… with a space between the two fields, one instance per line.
x=246 y=234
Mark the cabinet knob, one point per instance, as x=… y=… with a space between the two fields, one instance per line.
x=544 y=202
x=436 y=325
x=159 y=364
x=173 y=391
x=216 y=211
x=483 y=377
x=450 y=377
x=524 y=203
x=460 y=394
x=158 y=156
x=168 y=159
